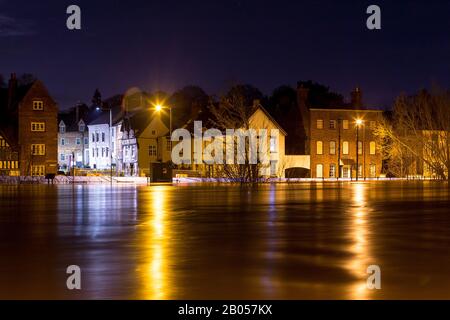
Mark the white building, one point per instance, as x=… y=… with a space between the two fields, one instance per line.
x=102 y=141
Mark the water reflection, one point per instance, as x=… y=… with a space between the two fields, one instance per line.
x=156 y=237
x=360 y=247
x=299 y=241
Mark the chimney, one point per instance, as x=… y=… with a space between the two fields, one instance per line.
x=356 y=96
x=302 y=98
x=77 y=113
x=302 y=122
x=12 y=89
x=256 y=103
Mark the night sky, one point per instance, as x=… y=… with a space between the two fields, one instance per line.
x=165 y=45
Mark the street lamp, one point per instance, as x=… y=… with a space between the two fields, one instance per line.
x=159 y=108
x=359 y=122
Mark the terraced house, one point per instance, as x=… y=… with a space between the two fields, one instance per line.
x=28 y=130
x=341 y=140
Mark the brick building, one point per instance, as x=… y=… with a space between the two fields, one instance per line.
x=333 y=134
x=29 y=128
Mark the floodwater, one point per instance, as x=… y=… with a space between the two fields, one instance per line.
x=287 y=241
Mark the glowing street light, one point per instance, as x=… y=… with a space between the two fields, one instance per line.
x=159 y=107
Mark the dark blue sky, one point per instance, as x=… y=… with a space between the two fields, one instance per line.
x=168 y=44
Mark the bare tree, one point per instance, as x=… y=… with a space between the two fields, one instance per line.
x=233 y=112
x=416 y=139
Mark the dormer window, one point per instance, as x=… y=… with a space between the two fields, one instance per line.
x=81 y=126
x=62 y=128
x=38 y=105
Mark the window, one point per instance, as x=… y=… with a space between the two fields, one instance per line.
x=319 y=171
x=62 y=157
x=81 y=128
x=345 y=124
x=360 y=148
x=360 y=170
x=319 y=147
x=78 y=141
x=152 y=150
x=38 y=105
x=96 y=152
x=103 y=137
x=107 y=152
x=332 y=147
x=373 y=170
x=319 y=123
x=372 y=124
x=86 y=141
x=38 y=170
x=93 y=153
x=63 y=141
x=103 y=152
x=62 y=129
x=38 y=126
x=273 y=144
x=96 y=136
x=372 y=147
x=345 y=147
x=38 y=149
x=332 y=124
x=153 y=132
x=169 y=145
x=273 y=168
x=3 y=143
x=93 y=137
x=332 y=170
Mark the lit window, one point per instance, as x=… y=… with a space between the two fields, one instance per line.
x=38 y=149
x=345 y=124
x=332 y=147
x=3 y=143
x=345 y=147
x=38 y=126
x=38 y=170
x=169 y=145
x=38 y=105
x=319 y=123
x=319 y=147
x=273 y=144
x=319 y=171
x=372 y=147
x=373 y=170
x=372 y=124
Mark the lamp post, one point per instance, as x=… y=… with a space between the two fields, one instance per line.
x=359 y=122
x=158 y=108
x=339 y=148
